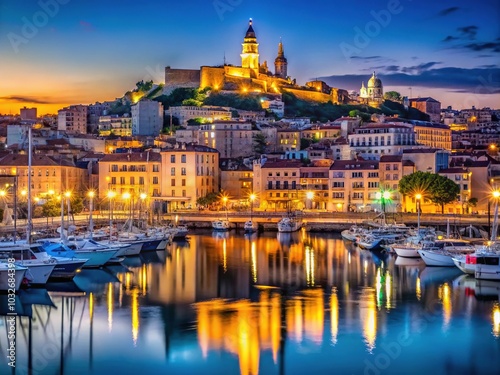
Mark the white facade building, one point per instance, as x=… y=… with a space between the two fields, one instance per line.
x=147 y=117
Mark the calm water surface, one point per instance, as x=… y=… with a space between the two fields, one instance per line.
x=260 y=304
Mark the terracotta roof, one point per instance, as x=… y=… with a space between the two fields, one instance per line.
x=22 y=160
x=132 y=157
x=354 y=164
x=391 y=158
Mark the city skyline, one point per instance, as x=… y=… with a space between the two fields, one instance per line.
x=58 y=52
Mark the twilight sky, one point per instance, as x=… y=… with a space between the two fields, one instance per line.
x=59 y=52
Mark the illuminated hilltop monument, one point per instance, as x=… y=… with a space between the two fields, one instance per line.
x=373 y=94
x=252 y=76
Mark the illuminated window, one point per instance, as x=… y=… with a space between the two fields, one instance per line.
x=172 y=171
x=183 y=171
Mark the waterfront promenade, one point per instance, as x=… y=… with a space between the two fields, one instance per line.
x=314 y=220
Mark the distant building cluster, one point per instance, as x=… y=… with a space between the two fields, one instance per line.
x=343 y=164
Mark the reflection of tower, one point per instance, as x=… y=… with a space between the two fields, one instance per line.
x=280 y=63
x=250 y=50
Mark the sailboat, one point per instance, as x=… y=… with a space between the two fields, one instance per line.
x=290 y=222
x=250 y=225
x=221 y=224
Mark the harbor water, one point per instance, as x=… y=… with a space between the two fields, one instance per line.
x=229 y=303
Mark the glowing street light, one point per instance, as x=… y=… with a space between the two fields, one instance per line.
x=91 y=195
x=383 y=196
x=418 y=197
x=310 y=196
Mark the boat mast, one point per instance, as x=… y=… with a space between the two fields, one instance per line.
x=29 y=223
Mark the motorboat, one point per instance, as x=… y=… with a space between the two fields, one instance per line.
x=250 y=226
x=9 y=272
x=289 y=224
x=487 y=267
x=440 y=252
x=353 y=233
x=221 y=225
x=94 y=257
x=180 y=232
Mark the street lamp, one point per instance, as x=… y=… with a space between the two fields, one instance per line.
x=142 y=196
x=252 y=197
x=310 y=196
x=496 y=195
x=91 y=195
x=418 y=197
x=382 y=196
x=127 y=197
x=224 y=201
x=111 y=194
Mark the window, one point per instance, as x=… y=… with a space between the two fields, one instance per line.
x=466 y=187
x=156 y=168
x=357 y=174
x=294 y=185
x=387 y=167
x=387 y=176
x=122 y=180
x=395 y=177
x=278 y=184
x=183 y=158
x=183 y=182
x=172 y=171
x=183 y=171
x=338 y=195
x=294 y=174
x=132 y=180
x=184 y=193
x=172 y=158
x=269 y=185
x=172 y=182
x=155 y=180
x=47 y=173
x=357 y=195
x=338 y=184
x=113 y=180
x=270 y=174
x=173 y=193
x=285 y=184
x=141 y=180
x=114 y=168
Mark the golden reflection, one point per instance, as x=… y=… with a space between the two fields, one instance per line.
x=334 y=315
x=365 y=266
x=254 y=261
x=378 y=288
x=275 y=325
x=309 y=266
x=135 y=314
x=444 y=293
x=224 y=255
x=91 y=306
x=110 y=306
x=144 y=279
x=127 y=281
x=418 y=289
x=294 y=326
x=368 y=316
x=349 y=258
x=388 y=290
x=496 y=320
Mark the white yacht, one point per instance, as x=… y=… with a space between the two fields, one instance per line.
x=250 y=226
x=6 y=273
x=442 y=251
x=289 y=223
x=221 y=225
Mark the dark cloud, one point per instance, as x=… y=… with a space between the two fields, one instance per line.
x=447 y=11
x=475 y=80
x=468 y=32
x=417 y=69
x=488 y=46
x=450 y=38
x=366 y=57
x=28 y=99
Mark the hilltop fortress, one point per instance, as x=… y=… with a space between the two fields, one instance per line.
x=252 y=76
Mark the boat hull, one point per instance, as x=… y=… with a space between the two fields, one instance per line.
x=406 y=251
x=436 y=259
x=66 y=269
x=38 y=274
x=19 y=273
x=96 y=258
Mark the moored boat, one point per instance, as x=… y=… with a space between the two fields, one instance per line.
x=11 y=276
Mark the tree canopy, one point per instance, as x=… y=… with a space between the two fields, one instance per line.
x=434 y=187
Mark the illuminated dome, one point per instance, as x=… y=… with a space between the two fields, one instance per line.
x=374 y=81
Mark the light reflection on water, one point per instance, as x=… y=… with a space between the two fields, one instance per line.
x=286 y=304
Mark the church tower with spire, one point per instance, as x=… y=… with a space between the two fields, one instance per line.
x=250 y=50
x=280 y=63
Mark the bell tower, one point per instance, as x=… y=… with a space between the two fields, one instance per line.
x=280 y=63
x=250 y=50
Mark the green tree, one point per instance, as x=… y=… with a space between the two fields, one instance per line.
x=208 y=199
x=393 y=95
x=305 y=143
x=438 y=189
x=51 y=208
x=259 y=143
